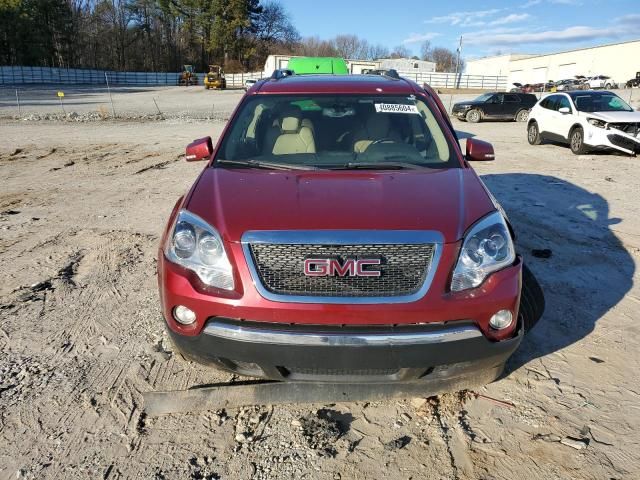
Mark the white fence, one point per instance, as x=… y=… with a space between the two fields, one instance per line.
x=78 y=76
x=453 y=80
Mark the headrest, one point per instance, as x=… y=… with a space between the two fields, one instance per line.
x=290 y=124
x=378 y=125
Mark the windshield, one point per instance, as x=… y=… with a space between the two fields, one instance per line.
x=601 y=102
x=336 y=131
x=484 y=97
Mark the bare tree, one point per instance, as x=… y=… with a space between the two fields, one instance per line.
x=315 y=47
x=446 y=60
x=426 y=51
x=400 y=52
x=350 y=46
x=377 y=51
x=274 y=25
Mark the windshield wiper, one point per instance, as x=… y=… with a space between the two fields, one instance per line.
x=380 y=166
x=263 y=164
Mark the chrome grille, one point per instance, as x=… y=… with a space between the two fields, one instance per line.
x=404 y=269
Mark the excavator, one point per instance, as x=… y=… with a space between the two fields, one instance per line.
x=187 y=76
x=215 y=78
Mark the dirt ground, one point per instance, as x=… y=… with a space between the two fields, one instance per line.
x=82 y=206
x=94 y=103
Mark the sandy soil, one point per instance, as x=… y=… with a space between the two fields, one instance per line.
x=81 y=337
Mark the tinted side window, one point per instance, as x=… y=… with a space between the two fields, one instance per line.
x=512 y=98
x=563 y=102
x=550 y=102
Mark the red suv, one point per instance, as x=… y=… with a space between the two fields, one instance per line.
x=338 y=234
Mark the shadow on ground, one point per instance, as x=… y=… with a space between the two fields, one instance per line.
x=589 y=270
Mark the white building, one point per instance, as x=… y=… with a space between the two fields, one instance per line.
x=620 y=61
x=402 y=65
x=495 y=66
x=407 y=65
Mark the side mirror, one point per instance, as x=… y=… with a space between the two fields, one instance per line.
x=564 y=110
x=479 y=151
x=200 y=149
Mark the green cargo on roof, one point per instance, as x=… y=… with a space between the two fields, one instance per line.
x=309 y=65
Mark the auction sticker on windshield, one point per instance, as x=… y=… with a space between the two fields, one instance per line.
x=395 y=108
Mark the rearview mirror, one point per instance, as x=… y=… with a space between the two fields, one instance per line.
x=564 y=110
x=479 y=151
x=200 y=149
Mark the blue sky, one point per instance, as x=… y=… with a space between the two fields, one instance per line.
x=487 y=27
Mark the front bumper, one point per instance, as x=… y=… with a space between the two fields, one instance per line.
x=460 y=112
x=448 y=351
x=612 y=138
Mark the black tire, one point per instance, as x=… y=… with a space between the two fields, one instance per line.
x=576 y=141
x=473 y=116
x=533 y=134
x=531 y=300
x=522 y=115
x=608 y=86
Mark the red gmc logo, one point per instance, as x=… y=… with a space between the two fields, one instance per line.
x=351 y=267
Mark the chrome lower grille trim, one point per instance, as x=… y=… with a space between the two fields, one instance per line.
x=348 y=339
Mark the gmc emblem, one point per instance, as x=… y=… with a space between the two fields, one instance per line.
x=351 y=267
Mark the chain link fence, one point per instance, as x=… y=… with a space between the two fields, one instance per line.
x=86 y=95
x=93 y=102
x=17 y=75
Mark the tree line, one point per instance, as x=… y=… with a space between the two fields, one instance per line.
x=162 y=35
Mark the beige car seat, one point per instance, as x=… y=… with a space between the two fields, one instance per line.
x=291 y=135
x=377 y=127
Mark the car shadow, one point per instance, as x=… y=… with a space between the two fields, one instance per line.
x=589 y=270
x=594 y=152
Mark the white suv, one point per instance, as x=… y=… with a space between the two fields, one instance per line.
x=585 y=119
x=601 y=81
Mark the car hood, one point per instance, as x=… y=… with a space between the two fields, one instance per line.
x=618 y=117
x=238 y=200
x=470 y=102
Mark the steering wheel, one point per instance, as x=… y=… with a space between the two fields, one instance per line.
x=379 y=141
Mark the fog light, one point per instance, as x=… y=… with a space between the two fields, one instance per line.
x=501 y=320
x=184 y=315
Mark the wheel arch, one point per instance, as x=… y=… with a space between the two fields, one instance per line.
x=573 y=127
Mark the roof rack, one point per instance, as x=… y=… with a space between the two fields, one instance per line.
x=391 y=73
x=282 y=73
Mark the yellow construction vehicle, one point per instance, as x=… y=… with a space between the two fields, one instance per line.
x=188 y=76
x=215 y=78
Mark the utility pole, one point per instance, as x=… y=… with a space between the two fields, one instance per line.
x=458 y=73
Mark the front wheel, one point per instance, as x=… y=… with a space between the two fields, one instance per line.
x=531 y=300
x=473 y=116
x=522 y=116
x=576 y=141
x=533 y=134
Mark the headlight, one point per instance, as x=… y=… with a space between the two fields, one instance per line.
x=486 y=248
x=596 y=122
x=197 y=246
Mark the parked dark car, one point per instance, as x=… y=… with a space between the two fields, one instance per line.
x=496 y=106
x=634 y=82
x=568 y=85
